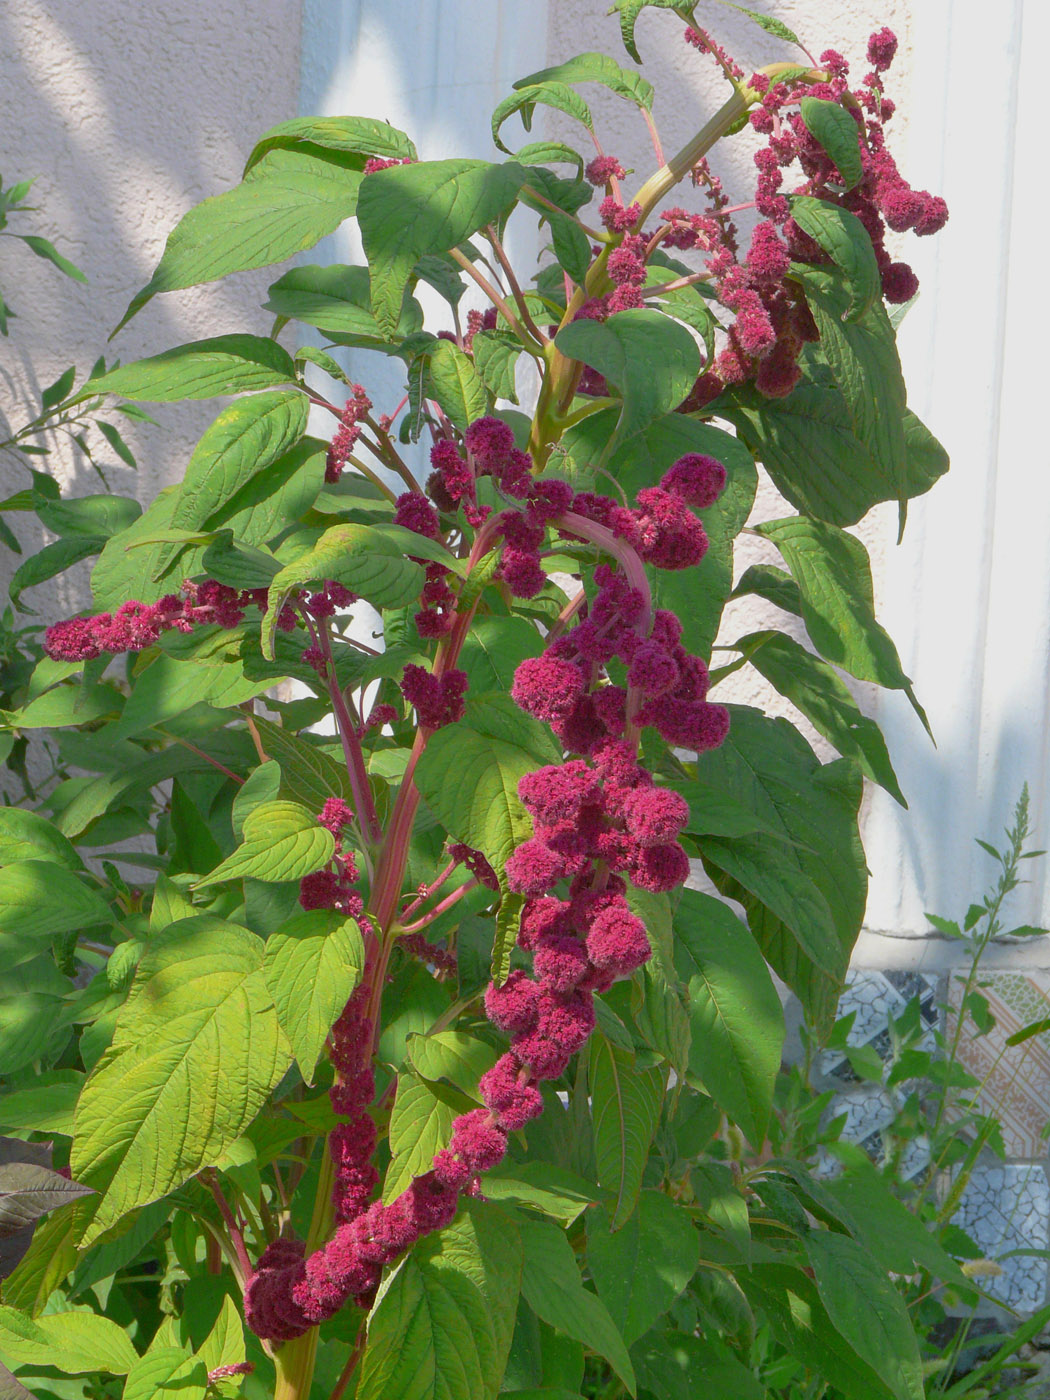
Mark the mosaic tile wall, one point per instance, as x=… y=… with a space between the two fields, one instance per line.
x=1006 y=1205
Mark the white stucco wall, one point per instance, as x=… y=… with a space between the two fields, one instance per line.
x=129 y=115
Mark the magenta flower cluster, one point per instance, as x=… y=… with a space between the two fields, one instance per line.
x=333 y=887
x=135 y=626
x=356 y=408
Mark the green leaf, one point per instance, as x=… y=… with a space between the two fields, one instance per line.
x=832 y=126
x=38 y=900
x=420 y=1125
x=338 y=300
x=202 y=369
x=72 y=1342
x=679 y=1366
x=867 y=1311
x=361 y=135
x=734 y=1011
x=493 y=650
x=29 y=836
x=640 y=1269
x=815 y=690
x=244 y=440
x=370 y=562
x=833 y=574
x=45 y=1108
x=524 y=100
x=629 y=10
x=282 y=841
x=412 y=210
x=224 y=1344
x=455 y=1056
x=442 y=1323
x=116 y=442
x=28 y=1026
x=862 y=355
x=552 y=1287
x=845 y=240
x=52 y=559
x=311 y=965
x=169 y=1373
x=468 y=774
x=596 y=68
x=773 y=26
x=661 y=1017
x=541 y=1186
x=168 y=688
x=787 y=1298
x=624 y=349
x=289 y=201
x=308 y=774
x=196 y=1050
x=89 y=517
x=495 y=359
x=804 y=889
x=47 y=250
x=456 y=385
x=625 y=1110
x=551 y=153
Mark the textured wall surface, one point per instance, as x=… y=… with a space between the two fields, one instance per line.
x=129 y=115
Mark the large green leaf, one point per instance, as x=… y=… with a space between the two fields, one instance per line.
x=412 y=210
x=525 y=99
x=311 y=965
x=866 y=1309
x=39 y=899
x=640 y=1269
x=290 y=200
x=167 y=688
x=167 y=1373
x=493 y=649
x=282 y=841
x=734 y=1011
x=370 y=562
x=469 y=772
x=308 y=774
x=833 y=574
x=46 y=563
x=596 y=68
x=552 y=1287
x=624 y=350
x=29 y=836
x=676 y=1365
x=819 y=693
x=456 y=385
x=244 y=440
x=835 y=129
x=788 y=1299
x=625 y=1109
x=337 y=299
x=203 y=369
x=804 y=889
x=196 y=1050
x=845 y=240
x=629 y=10
x=441 y=1326
x=363 y=136
x=863 y=358
x=454 y=1056
x=660 y=1004
x=420 y=1125
x=73 y=1342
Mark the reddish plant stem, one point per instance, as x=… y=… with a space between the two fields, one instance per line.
x=512 y=283
x=654 y=135
x=430 y=889
x=355 y=759
x=438 y=909
x=229 y=1220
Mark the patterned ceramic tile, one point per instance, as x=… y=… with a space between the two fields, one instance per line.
x=872 y=997
x=1005 y=1208
x=868 y=1112
x=1016 y=1079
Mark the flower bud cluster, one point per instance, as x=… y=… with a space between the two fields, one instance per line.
x=135 y=626
x=358 y=406
x=333 y=887
x=771 y=321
